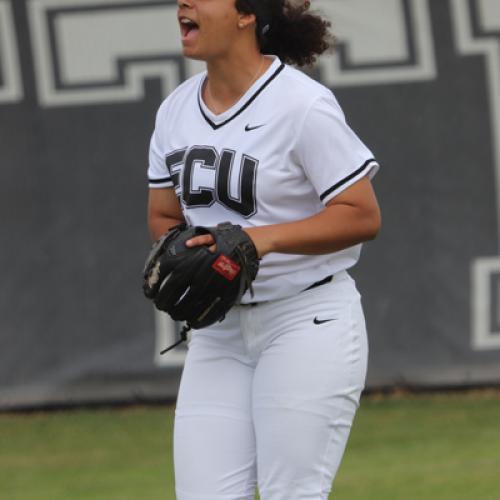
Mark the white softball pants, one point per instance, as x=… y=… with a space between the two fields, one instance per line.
x=268 y=396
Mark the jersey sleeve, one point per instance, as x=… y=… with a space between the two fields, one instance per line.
x=331 y=154
x=158 y=173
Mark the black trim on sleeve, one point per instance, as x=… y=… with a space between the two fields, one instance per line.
x=245 y=106
x=160 y=181
x=347 y=179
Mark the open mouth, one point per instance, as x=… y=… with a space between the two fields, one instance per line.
x=188 y=27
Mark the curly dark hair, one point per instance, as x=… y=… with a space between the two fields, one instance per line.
x=297 y=36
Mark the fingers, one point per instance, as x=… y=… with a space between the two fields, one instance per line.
x=206 y=239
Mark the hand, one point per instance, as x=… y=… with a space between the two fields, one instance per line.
x=260 y=240
x=198 y=241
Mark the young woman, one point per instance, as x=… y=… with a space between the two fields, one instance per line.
x=268 y=395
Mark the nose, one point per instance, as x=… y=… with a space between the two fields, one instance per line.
x=184 y=3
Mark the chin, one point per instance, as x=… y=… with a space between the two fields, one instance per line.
x=195 y=57
x=191 y=53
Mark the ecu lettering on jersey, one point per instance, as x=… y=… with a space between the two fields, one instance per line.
x=280 y=154
x=220 y=169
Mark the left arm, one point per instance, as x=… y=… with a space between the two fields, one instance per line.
x=350 y=218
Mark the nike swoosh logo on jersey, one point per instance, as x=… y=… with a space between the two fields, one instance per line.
x=248 y=128
x=321 y=321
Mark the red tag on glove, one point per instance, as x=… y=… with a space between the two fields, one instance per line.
x=226 y=267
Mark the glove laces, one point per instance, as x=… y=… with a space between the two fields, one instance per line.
x=183 y=335
x=247 y=281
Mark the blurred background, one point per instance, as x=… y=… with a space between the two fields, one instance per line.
x=80 y=83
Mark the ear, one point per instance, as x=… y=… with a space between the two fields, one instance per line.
x=245 y=20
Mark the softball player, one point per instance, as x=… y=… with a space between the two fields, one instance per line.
x=268 y=395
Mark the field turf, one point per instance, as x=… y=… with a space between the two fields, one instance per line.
x=404 y=447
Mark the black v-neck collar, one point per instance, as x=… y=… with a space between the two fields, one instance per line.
x=251 y=99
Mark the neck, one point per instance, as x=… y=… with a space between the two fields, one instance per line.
x=227 y=80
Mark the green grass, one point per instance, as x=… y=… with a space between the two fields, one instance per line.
x=97 y=455
x=444 y=447
x=434 y=447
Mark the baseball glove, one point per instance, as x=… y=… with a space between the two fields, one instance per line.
x=196 y=285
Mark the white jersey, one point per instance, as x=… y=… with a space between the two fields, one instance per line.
x=278 y=155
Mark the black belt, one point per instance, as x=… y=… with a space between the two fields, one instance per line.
x=324 y=281
x=319 y=283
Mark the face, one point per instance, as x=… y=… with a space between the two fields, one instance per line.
x=209 y=28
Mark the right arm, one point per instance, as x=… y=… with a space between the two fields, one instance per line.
x=164 y=211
